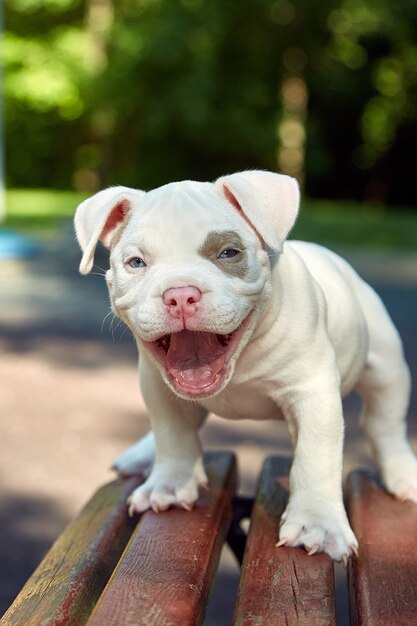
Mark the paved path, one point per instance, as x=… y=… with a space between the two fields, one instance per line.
x=69 y=402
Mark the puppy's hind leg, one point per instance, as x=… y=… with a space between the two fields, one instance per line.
x=138 y=459
x=385 y=387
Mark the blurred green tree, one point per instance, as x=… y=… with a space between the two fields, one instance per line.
x=141 y=92
x=363 y=102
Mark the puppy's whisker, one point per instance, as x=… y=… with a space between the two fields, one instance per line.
x=113 y=328
x=126 y=328
x=104 y=320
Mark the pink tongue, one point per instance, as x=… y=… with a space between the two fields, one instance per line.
x=194 y=359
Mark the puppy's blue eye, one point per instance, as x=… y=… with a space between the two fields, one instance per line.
x=229 y=253
x=136 y=263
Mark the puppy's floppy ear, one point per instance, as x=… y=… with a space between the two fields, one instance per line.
x=268 y=201
x=101 y=217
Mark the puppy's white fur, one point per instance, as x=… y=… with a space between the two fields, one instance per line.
x=309 y=330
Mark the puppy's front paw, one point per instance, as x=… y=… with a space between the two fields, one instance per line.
x=319 y=527
x=172 y=483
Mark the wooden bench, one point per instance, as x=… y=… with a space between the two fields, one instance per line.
x=106 y=569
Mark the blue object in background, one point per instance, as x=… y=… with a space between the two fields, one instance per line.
x=16 y=246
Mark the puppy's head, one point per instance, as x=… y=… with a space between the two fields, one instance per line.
x=189 y=267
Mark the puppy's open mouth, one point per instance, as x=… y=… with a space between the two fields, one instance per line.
x=196 y=362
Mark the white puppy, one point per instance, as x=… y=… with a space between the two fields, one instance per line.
x=228 y=319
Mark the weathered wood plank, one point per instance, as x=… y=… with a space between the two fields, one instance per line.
x=383 y=580
x=281 y=586
x=166 y=571
x=64 y=588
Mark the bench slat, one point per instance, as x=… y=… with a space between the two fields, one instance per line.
x=64 y=588
x=383 y=580
x=281 y=586
x=167 y=569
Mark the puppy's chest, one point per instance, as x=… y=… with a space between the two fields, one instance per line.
x=243 y=401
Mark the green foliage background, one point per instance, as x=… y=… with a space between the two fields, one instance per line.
x=140 y=92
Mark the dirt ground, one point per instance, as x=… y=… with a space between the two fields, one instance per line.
x=69 y=403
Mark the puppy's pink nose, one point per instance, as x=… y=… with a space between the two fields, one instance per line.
x=182 y=301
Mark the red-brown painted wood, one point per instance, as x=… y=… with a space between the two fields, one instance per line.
x=166 y=571
x=64 y=588
x=281 y=586
x=383 y=580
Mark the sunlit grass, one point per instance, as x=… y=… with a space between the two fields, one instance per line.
x=359 y=225
x=42 y=212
